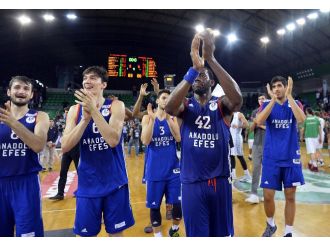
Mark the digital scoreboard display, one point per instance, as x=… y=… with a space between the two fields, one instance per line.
x=131 y=66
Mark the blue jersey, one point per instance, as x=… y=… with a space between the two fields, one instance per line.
x=101 y=168
x=16 y=158
x=204 y=141
x=162 y=162
x=281 y=140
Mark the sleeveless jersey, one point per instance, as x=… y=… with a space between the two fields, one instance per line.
x=16 y=158
x=281 y=140
x=101 y=168
x=204 y=141
x=162 y=163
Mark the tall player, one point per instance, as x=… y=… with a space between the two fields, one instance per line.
x=97 y=123
x=205 y=167
x=160 y=131
x=23 y=134
x=281 y=164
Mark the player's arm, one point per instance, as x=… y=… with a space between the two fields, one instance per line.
x=174 y=127
x=73 y=131
x=35 y=140
x=297 y=110
x=137 y=107
x=111 y=132
x=264 y=114
x=233 y=99
x=175 y=103
x=242 y=118
x=148 y=122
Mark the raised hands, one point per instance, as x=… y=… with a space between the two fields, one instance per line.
x=288 y=91
x=208 y=44
x=155 y=84
x=143 y=89
x=151 y=113
x=88 y=101
x=269 y=91
x=197 y=60
x=5 y=114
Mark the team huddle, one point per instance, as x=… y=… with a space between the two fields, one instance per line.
x=198 y=185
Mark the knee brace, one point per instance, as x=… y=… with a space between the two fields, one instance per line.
x=155 y=217
x=177 y=211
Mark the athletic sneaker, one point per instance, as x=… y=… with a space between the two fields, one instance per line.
x=269 y=231
x=253 y=199
x=315 y=169
x=233 y=176
x=173 y=233
x=57 y=197
x=148 y=229
x=288 y=235
x=246 y=179
x=250 y=157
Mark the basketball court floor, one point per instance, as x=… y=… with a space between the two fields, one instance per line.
x=313 y=204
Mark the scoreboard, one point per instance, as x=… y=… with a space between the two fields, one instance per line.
x=131 y=66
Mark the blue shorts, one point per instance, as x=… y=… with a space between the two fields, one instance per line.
x=116 y=209
x=207 y=208
x=20 y=206
x=274 y=176
x=157 y=189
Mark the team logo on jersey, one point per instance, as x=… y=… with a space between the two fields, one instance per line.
x=105 y=112
x=30 y=119
x=296 y=161
x=213 y=106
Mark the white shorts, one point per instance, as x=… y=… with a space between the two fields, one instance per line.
x=320 y=145
x=250 y=143
x=238 y=146
x=311 y=145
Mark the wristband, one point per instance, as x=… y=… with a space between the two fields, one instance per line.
x=191 y=75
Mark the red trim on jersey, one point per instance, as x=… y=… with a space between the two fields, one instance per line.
x=220 y=109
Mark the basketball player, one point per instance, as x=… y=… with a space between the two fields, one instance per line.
x=312 y=133
x=281 y=162
x=160 y=131
x=205 y=167
x=320 y=161
x=138 y=114
x=96 y=123
x=23 y=134
x=238 y=123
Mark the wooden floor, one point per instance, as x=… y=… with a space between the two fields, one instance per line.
x=249 y=220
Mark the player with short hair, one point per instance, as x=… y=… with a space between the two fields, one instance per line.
x=281 y=164
x=96 y=124
x=205 y=164
x=160 y=131
x=23 y=134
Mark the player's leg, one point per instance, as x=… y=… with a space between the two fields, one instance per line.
x=27 y=206
x=6 y=212
x=270 y=181
x=292 y=177
x=155 y=193
x=173 y=196
x=195 y=210
x=221 y=210
x=88 y=216
x=118 y=215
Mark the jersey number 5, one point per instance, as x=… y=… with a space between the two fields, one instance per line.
x=203 y=122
